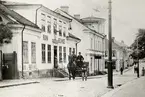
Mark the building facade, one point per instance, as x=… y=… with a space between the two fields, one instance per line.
x=92 y=41
x=53 y=44
x=120 y=55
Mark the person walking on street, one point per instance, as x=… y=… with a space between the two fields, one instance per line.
x=121 y=70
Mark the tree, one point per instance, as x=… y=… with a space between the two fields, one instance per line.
x=5 y=34
x=5 y=37
x=138 y=45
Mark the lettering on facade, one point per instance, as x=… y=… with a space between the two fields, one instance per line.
x=61 y=41
x=45 y=37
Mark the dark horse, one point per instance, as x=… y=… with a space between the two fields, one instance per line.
x=72 y=69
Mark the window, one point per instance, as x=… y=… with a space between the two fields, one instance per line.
x=69 y=51
x=43 y=22
x=25 y=52
x=91 y=43
x=64 y=32
x=43 y=27
x=55 y=26
x=74 y=49
x=48 y=24
x=60 y=54
x=33 y=52
x=49 y=28
x=105 y=53
x=60 y=30
x=113 y=53
x=1 y=20
x=43 y=53
x=91 y=64
x=49 y=53
x=64 y=54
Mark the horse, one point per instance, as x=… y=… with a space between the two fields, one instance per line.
x=72 y=69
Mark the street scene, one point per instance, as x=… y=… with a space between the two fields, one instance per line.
x=68 y=48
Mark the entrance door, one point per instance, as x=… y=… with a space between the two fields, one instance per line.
x=55 y=57
x=9 y=70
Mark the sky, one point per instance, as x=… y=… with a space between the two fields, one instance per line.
x=127 y=15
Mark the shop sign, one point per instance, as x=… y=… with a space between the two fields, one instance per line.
x=61 y=41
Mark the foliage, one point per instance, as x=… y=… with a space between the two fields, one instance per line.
x=5 y=34
x=139 y=45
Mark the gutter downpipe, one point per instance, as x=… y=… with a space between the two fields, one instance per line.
x=36 y=14
x=77 y=46
x=22 y=34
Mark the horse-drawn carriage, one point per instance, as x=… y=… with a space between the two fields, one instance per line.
x=78 y=68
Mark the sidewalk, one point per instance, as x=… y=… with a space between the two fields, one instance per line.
x=17 y=82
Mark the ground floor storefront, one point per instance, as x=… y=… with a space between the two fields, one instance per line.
x=35 y=56
x=96 y=62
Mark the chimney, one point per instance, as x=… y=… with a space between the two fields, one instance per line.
x=64 y=8
x=122 y=41
x=77 y=16
x=113 y=38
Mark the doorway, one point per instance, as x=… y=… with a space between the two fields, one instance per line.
x=55 y=57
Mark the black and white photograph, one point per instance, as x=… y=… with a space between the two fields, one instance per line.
x=72 y=48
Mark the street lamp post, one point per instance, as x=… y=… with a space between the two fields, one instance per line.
x=110 y=69
x=137 y=60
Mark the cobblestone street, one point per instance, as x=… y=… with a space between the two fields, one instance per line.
x=93 y=87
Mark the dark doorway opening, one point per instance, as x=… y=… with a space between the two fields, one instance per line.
x=55 y=57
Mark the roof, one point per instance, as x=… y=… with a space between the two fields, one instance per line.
x=92 y=19
x=80 y=22
x=17 y=16
x=25 y=4
x=115 y=44
x=73 y=36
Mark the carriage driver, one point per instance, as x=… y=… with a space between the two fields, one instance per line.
x=80 y=59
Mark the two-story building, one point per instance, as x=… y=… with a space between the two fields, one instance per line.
x=91 y=32
x=55 y=40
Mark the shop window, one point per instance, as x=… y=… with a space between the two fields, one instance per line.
x=64 y=54
x=49 y=53
x=33 y=52
x=43 y=54
x=60 y=54
x=25 y=52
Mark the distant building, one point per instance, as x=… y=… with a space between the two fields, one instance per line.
x=120 y=54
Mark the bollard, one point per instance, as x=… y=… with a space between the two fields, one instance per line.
x=143 y=71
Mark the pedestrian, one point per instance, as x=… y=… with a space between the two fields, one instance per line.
x=135 y=68
x=121 y=70
x=84 y=71
x=143 y=71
